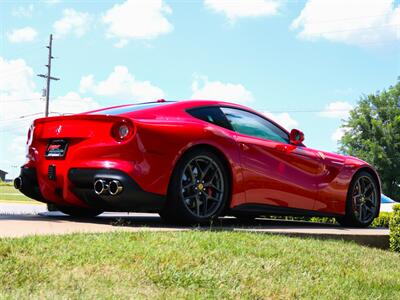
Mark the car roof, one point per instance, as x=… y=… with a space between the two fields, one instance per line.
x=183 y=104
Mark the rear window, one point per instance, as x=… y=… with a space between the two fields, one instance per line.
x=129 y=108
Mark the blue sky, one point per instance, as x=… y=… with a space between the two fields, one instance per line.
x=303 y=63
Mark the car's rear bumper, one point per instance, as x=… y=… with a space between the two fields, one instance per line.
x=132 y=197
x=81 y=185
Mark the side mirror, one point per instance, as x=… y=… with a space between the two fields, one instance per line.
x=296 y=137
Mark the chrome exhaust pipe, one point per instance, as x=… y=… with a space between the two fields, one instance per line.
x=100 y=186
x=115 y=187
x=18 y=183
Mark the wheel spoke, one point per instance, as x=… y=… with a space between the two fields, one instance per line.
x=213 y=187
x=205 y=206
x=368 y=188
x=204 y=173
x=358 y=187
x=213 y=198
x=362 y=185
x=199 y=170
x=369 y=200
x=197 y=205
x=190 y=184
x=191 y=173
x=365 y=213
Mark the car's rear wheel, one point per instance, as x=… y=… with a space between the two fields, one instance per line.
x=199 y=188
x=78 y=212
x=363 y=201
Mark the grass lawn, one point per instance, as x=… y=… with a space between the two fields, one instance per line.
x=9 y=194
x=196 y=265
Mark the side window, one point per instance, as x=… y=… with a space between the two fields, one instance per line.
x=212 y=115
x=248 y=123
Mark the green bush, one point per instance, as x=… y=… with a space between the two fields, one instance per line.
x=383 y=220
x=395 y=229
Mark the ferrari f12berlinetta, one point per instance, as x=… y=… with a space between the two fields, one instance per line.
x=191 y=161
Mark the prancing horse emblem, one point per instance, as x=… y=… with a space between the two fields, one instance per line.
x=58 y=130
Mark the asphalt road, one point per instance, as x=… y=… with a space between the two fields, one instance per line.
x=18 y=220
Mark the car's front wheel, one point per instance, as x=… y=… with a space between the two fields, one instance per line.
x=199 y=188
x=363 y=200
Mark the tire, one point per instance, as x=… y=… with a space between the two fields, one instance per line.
x=199 y=189
x=52 y=207
x=79 y=212
x=363 y=196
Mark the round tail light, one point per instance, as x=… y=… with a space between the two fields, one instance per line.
x=122 y=131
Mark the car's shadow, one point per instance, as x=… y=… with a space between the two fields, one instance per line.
x=153 y=220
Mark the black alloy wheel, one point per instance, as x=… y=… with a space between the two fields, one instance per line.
x=199 y=188
x=363 y=201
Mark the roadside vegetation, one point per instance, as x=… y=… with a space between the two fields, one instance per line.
x=196 y=264
x=382 y=221
x=9 y=194
x=372 y=133
x=395 y=230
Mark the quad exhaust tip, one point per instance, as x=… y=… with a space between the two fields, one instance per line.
x=100 y=187
x=115 y=187
x=112 y=187
x=18 y=183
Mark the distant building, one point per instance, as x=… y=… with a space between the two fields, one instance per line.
x=3 y=175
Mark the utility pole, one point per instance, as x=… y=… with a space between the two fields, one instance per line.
x=48 y=76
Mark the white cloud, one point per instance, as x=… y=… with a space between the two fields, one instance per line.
x=338 y=134
x=203 y=89
x=72 y=103
x=283 y=119
x=21 y=103
x=16 y=88
x=137 y=19
x=356 y=22
x=72 y=21
x=122 y=86
x=25 y=34
x=17 y=147
x=338 y=109
x=23 y=11
x=244 y=8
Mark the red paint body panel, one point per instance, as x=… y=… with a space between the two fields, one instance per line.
x=262 y=171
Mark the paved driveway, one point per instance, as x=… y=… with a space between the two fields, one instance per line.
x=28 y=219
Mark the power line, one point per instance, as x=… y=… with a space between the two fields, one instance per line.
x=21 y=100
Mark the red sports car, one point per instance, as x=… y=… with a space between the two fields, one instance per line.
x=191 y=161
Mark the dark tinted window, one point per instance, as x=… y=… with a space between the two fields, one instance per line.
x=212 y=115
x=129 y=108
x=251 y=124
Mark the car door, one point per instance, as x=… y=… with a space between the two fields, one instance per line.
x=275 y=173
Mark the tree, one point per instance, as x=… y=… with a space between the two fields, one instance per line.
x=372 y=133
